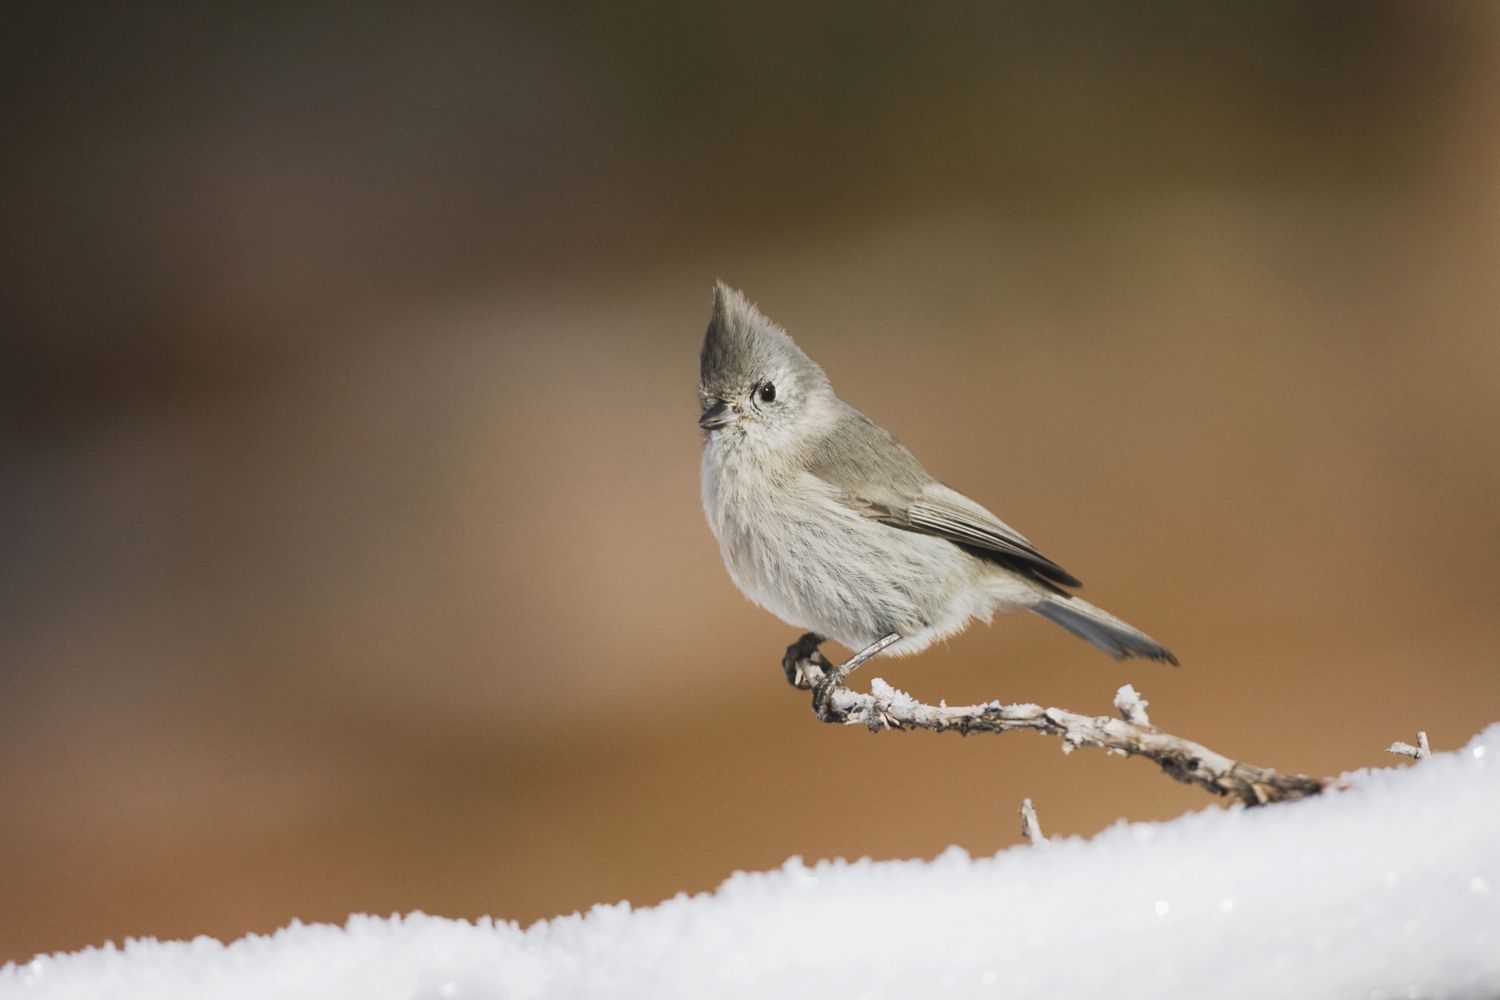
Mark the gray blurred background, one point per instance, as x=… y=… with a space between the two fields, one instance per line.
x=350 y=549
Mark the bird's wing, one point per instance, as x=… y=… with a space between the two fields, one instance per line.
x=880 y=479
x=949 y=514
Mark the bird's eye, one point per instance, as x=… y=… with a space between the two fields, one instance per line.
x=767 y=393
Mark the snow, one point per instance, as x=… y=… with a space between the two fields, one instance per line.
x=1132 y=706
x=1388 y=889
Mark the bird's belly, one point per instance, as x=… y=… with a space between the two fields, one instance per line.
x=821 y=566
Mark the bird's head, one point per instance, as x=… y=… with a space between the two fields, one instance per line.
x=754 y=384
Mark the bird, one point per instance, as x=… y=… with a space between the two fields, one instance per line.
x=827 y=521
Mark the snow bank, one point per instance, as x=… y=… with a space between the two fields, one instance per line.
x=1391 y=889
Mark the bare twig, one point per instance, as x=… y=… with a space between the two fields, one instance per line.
x=1030 y=828
x=887 y=708
x=1416 y=752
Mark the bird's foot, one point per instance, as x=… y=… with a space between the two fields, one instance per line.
x=832 y=680
x=802 y=654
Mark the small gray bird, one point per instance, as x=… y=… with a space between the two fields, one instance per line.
x=828 y=522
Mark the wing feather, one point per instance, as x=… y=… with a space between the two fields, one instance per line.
x=882 y=480
x=975 y=530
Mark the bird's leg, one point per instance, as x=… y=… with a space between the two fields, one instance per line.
x=833 y=680
x=847 y=667
x=804 y=651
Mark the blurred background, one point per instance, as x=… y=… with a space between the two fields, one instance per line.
x=351 y=556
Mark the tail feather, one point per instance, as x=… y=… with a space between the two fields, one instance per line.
x=1103 y=629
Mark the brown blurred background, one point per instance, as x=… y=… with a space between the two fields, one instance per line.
x=350 y=549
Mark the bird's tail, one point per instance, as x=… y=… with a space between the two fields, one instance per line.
x=1102 y=629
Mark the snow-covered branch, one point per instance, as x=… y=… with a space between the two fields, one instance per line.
x=887 y=708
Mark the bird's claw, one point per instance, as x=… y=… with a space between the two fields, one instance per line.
x=799 y=655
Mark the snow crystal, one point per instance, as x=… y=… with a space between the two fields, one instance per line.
x=1132 y=706
x=897 y=700
x=1385 y=889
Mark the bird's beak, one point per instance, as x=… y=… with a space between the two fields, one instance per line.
x=716 y=416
